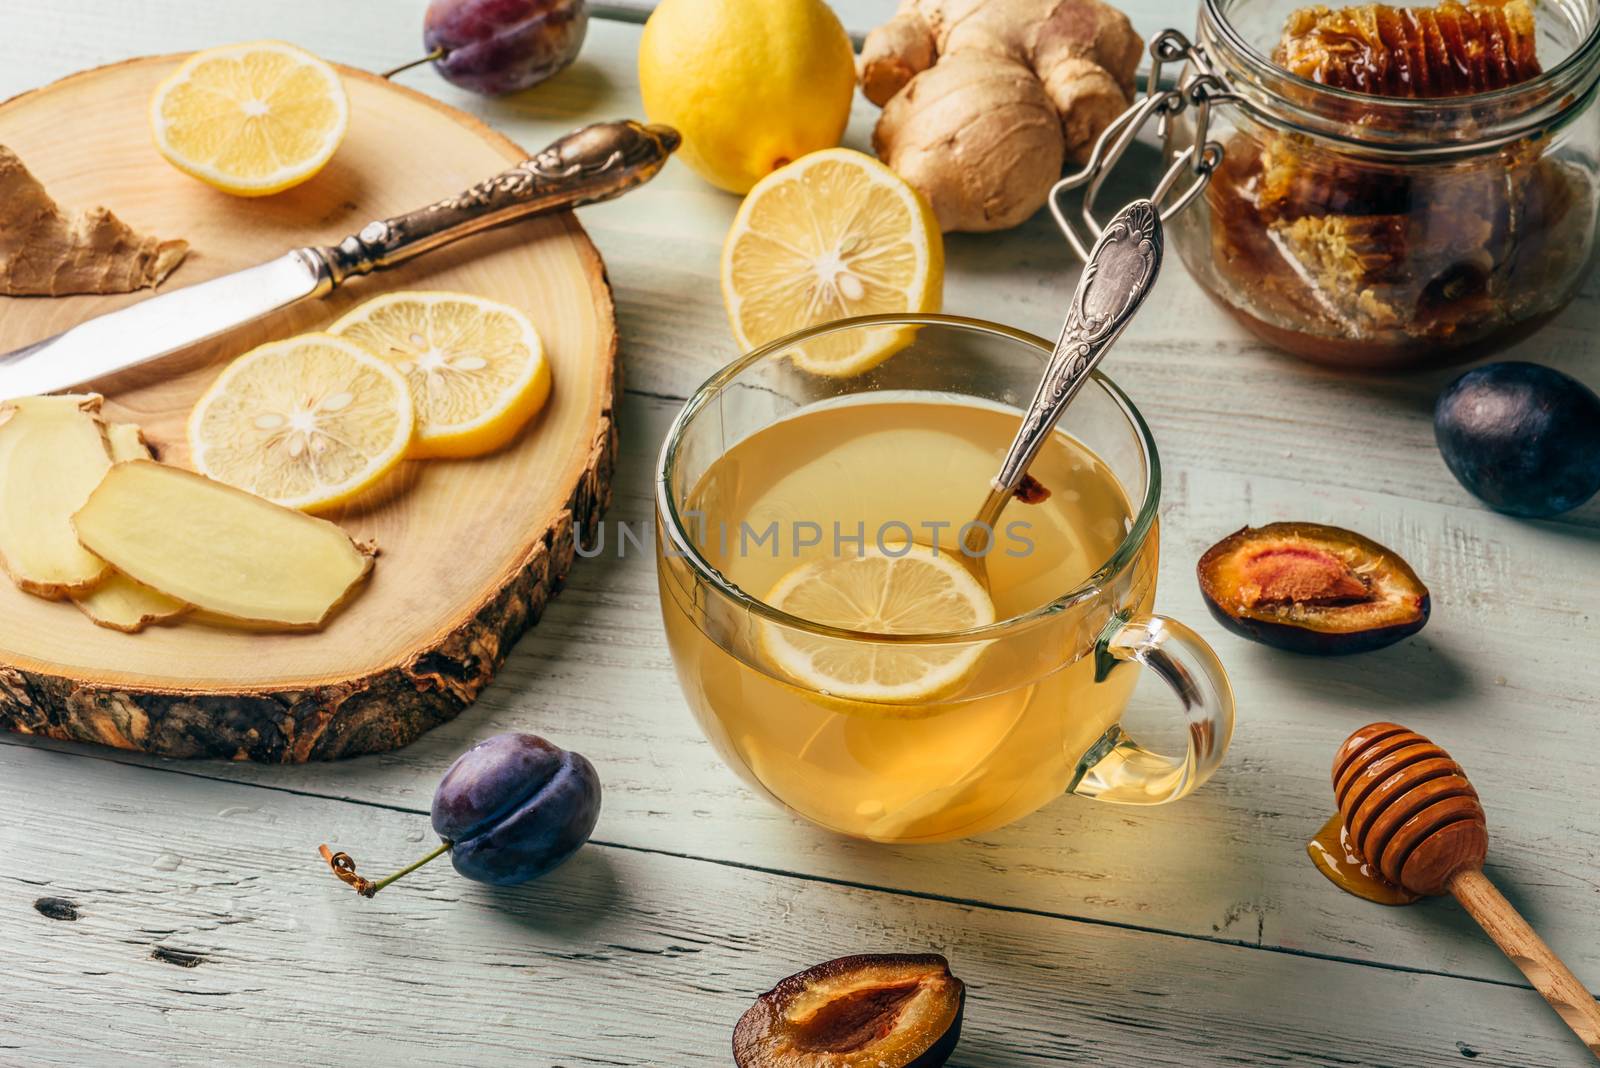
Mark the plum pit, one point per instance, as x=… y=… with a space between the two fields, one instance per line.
x=1286 y=574
x=854 y=1020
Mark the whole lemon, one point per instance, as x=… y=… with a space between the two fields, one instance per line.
x=751 y=84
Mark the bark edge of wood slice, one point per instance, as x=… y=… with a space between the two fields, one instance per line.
x=356 y=687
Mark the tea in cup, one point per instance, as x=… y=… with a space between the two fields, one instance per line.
x=830 y=629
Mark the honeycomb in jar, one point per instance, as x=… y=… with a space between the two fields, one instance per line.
x=1332 y=243
x=1322 y=244
x=1452 y=49
x=1379 y=274
x=1298 y=179
x=1350 y=262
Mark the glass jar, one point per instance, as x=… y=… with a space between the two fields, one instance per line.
x=1381 y=232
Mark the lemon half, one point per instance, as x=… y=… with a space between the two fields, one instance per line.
x=250 y=119
x=920 y=591
x=308 y=422
x=476 y=367
x=832 y=235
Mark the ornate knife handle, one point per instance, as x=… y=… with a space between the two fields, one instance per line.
x=1121 y=270
x=592 y=164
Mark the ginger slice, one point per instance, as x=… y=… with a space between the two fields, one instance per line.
x=44 y=251
x=64 y=404
x=53 y=453
x=119 y=602
x=126 y=442
x=224 y=550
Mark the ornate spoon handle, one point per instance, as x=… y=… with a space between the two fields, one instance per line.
x=595 y=163
x=1121 y=270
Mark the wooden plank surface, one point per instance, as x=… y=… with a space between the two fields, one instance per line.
x=231 y=937
x=1503 y=676
x=1225 y=865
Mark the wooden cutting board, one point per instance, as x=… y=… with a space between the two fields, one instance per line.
x=471 y=550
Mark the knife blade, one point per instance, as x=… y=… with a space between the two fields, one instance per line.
x=596 y=163
x=143 y=332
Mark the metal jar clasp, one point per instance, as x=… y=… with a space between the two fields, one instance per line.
x=1201 y=89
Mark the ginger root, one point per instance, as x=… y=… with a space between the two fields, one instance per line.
x=46 y=252
x=984 y=100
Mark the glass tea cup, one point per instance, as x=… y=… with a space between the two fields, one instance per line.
x=1036 y=710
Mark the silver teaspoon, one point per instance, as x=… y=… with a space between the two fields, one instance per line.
x=1119 y=274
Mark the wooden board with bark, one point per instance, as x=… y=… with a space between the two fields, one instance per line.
x=471 y=550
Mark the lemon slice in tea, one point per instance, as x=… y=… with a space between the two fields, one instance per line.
x=831 y=235
x=250 y=119
x=476 y=367
x=922 y=591
x=308 y=422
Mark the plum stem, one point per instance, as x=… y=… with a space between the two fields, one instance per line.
x=444 y=847
x=345 y=868
x=437 y=54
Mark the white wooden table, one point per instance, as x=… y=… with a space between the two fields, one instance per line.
x=208 y=932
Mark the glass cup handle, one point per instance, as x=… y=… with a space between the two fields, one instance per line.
x=1119 y=769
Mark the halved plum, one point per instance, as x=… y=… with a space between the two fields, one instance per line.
x=869 y=1011
x=1311 y=588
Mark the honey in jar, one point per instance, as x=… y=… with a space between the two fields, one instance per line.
x=1399 y=185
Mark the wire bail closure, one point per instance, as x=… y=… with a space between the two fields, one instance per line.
x=1200 y=90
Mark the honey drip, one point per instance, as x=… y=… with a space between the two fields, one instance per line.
x=1449 y=50
x=1347 y=869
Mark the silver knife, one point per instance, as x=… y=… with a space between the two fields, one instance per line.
x=595 y=163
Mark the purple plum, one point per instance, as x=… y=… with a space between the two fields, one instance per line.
x=510 y=809
x=513 y=807
x=502 y=46
x=1521 y=437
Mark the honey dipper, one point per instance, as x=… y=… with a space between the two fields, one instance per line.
x=1410 y=811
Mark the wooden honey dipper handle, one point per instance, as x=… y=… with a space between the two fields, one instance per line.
x=1549 y=976
x=1409 y=809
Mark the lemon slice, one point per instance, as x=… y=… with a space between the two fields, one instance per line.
x=833 y=234
x=476 y=368
x=250 y=119
x=308 y=422
x=922 y=591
